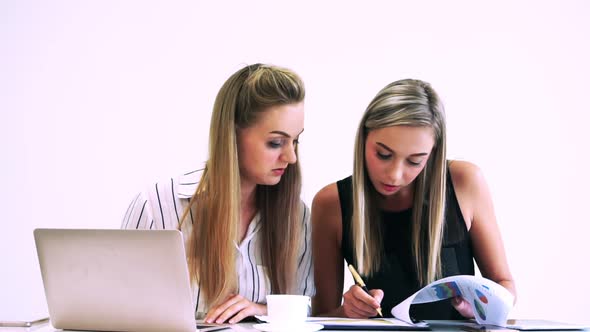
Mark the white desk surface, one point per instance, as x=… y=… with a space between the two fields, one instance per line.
x=245 y=327
x=46 y=327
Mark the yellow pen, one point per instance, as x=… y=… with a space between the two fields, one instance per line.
x=361 y=283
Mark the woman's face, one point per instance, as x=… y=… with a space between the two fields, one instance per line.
x=394 y=156
x=268 y=147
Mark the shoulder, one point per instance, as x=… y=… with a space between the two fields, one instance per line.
x=326 y=214
x=180 y=186
x=305 y=212
x=171 y=192
x=470 y=189
x=186 y=184
x=465 y=175
x=327 y=198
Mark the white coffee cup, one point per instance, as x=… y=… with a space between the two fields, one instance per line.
x=287 y=309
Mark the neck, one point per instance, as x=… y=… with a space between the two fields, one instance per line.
x=248 y=194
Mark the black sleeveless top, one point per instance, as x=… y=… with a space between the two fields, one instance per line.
x=397 y=275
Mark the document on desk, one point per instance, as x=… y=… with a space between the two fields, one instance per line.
x=470 y=325
x=490 y=301
x=382 y=324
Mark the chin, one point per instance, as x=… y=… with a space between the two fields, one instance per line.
x=269 y=182
x=388 y=193
x=274 y=183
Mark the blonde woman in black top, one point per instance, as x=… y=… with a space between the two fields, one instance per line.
x=406 y=216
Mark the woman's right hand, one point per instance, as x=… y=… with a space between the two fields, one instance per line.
x=358 y=304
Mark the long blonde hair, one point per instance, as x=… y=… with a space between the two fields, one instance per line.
x=402 y=103
x=215 y=206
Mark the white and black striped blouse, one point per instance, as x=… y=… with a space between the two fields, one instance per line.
x=162 y=205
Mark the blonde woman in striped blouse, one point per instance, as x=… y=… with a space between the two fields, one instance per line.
x=246 y=229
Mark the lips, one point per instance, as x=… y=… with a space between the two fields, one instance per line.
x=278 y=171
x=390 y=188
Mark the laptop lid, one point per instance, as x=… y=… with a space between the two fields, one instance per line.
x=116 y=280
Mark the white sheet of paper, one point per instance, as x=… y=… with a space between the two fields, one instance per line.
x=490 y=301
x=371 y=322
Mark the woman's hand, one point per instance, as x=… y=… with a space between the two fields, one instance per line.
x=462 y=306
x=359 y=304
x=233 y=310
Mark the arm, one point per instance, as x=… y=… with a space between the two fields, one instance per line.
x=478 y=211
x=329 y=263
x=305 y=280
x=235 y=308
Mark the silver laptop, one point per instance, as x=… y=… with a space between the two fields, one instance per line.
x=116 y=280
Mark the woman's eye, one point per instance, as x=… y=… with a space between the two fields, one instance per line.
x=383 y=156
x=414 y=163
x=275 y=144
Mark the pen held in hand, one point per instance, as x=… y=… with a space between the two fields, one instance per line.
x=359 y=281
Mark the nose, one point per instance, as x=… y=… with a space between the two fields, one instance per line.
x=395 y=172
x=289 y=154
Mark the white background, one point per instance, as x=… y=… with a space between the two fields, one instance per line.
x=99 y=98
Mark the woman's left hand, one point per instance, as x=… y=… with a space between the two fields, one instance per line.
x=462 y=306
x=233 y=310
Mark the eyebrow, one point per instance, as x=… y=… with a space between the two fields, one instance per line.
x=390 y=150
x=282 y=133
